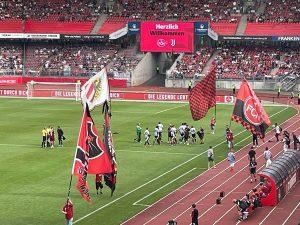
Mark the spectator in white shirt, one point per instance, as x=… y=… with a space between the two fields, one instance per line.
x=267 y=156
x=210 y=157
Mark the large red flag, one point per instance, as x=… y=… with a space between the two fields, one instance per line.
x=109 y=178
x=91 y=155
x=249 y=112
x=203 y=96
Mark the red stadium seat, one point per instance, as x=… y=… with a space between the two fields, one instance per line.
x=113 y=24
x=47 y=26
x=224 y=28
x=275 y=29
x=11 y=26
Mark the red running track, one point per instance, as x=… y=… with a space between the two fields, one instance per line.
x=204 y=189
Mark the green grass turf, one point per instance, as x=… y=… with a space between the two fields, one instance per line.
x=34 y=181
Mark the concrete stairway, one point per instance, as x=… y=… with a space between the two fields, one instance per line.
x=261 y=8
x=209 y=62
x=242 y=25
x=158 y=81
x=274 y=71
x=98 y=24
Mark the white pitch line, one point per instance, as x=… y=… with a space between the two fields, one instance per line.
x=291 y=214
x=206 y=181
x=206 y=170
x=151 y=152
x=14 y=145
x=143 y=205
x=176 y=107
x=248 y=193
x=139 y=187
x=241 y=170
x=164 y=186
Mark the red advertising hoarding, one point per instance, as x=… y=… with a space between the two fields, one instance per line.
x=19 y=91
x=167 y=37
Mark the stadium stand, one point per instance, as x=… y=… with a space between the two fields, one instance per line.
x=113 y=24
x=55 y=10
x=289 y=64
x=11 y=26
x=279 y=11
x=251 y=62
x=191 y=65
x=123 y=63
x=11 y=60
x=55 y=16
x=224 y=28
x=185 y=10
x=62 y=60
x=224 y=11
x=32 y=26
x=276 y=29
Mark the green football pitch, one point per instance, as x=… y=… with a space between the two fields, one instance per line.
x=34 y=181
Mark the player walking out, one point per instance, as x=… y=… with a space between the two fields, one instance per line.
x=193 y=133
x=173 y=135
x=138 y=133
x=160 y=130
x=147 y=137
x=201 y=135
x=156 y=136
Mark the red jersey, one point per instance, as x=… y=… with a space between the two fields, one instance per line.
x=98 y=178
x=52 y=136
x=68 y=210
x=230 y=136
x=213 y=121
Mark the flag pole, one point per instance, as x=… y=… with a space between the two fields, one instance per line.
x=70 y=184
x=216 y=112
x=71 y=176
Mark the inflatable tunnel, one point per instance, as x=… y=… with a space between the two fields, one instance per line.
x=280 y=177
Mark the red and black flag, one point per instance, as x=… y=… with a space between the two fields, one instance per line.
x=203 y=96
x=91 y=155
x=110 y=179
x=249 y=112
x=81 y=159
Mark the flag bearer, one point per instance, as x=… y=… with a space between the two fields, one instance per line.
x=98 y=182
x=68 y=211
